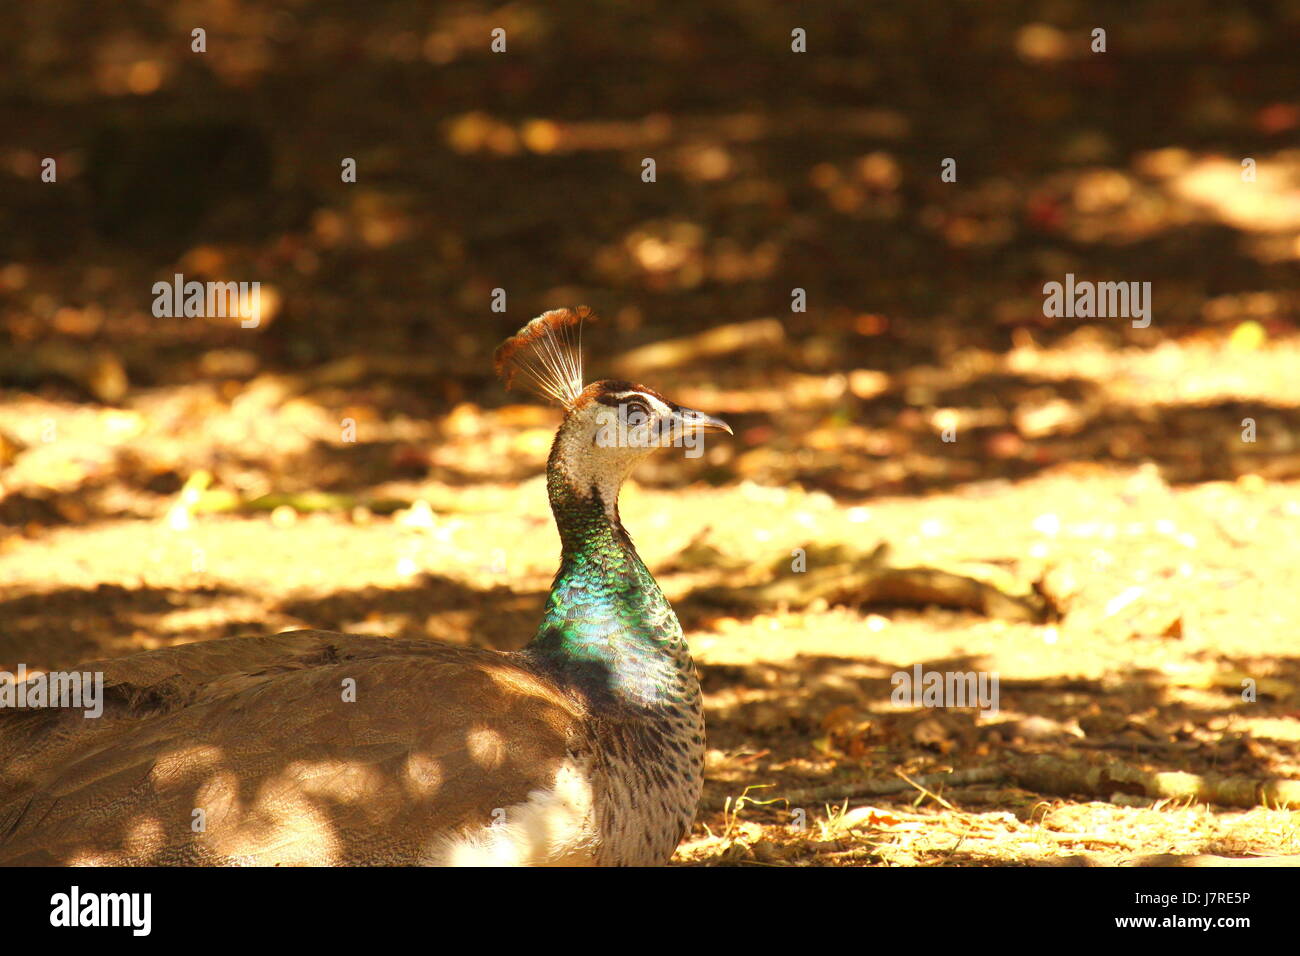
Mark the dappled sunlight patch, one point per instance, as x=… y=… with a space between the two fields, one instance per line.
x=486 y=747
x=219 y=799
x=335 y=781
x=1270 y=203
x=422 y=775
x=176 y=766
x=1171 y=373
x=282 y=826
x=144 y=835
x=553 y=827
x=91 y=858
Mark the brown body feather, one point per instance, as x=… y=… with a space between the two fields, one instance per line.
x=257 y=735
x=587 y=747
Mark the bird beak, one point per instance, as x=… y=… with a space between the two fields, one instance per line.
x=692 y=420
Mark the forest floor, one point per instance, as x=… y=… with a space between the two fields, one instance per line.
x=1111 y=529
x=1149 y=627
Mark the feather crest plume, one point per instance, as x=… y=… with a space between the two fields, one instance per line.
x=547 y=354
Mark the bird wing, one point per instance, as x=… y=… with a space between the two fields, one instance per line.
x=303 y=748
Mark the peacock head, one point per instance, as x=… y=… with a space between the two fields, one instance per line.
x=608 y=425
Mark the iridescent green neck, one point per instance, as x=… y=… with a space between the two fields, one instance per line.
x=607 y=626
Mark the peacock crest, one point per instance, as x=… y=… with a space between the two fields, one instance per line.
x=546 y=354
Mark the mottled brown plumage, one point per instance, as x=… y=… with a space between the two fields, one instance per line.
x=255 y=733
x=311 y=748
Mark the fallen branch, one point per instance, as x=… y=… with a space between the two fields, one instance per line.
x=848 y=790
x=839 y=577
x=1064 y=777
x=1174 y=859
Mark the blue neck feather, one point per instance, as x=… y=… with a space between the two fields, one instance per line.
x=607 y=627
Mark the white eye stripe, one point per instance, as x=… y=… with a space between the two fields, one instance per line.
x=650 y=401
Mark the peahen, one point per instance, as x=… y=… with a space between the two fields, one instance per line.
x=585 y=747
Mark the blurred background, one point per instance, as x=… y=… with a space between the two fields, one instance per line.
x=1101 y=531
